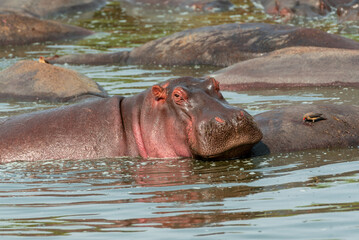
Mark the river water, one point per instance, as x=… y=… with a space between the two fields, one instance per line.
x=302 y=195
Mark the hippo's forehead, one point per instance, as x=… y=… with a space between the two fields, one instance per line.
x=189 y=83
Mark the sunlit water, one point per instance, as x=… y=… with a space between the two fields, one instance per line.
x=304 y=195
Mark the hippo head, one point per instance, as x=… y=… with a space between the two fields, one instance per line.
x=189 y=117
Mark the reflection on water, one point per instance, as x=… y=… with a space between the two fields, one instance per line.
x=131 y=196
x=305 y=195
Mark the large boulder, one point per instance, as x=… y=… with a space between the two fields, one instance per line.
x=31 y=80
x=19 y=30
x=293 y=67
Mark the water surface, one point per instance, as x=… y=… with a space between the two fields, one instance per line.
x=303 y=195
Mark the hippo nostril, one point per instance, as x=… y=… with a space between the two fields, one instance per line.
x=240 y=115
x=218 y=119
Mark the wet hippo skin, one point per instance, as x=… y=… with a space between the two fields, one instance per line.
x=221 y=45
x=285 y=131
x=185 y=117
x=29 y=80
x=19 y=30
x=293 y=67
x=45 y=9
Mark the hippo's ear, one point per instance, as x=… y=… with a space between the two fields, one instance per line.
x=214 y=83
x=159 y=92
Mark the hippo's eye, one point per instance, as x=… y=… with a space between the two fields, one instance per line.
x=179 y=96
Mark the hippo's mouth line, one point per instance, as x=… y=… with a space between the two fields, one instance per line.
x=236 y=152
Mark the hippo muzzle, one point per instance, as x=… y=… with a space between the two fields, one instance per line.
x=227 y=135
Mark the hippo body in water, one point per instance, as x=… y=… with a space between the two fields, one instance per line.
x=184 y=117
x=19 y=30
x=45 y=9
x=32 y=80
x=221 y=45
x=284 y=129
x=293 y=67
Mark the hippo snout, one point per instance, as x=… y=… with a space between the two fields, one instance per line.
x=227 y=136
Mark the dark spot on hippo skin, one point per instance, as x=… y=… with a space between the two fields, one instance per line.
x=260 y=149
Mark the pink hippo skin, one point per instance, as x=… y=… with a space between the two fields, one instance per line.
x=185 y=117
